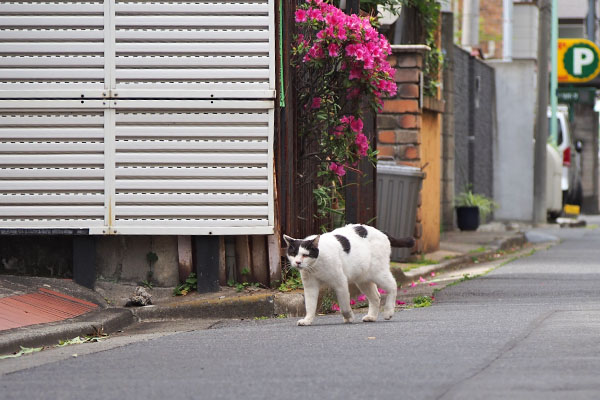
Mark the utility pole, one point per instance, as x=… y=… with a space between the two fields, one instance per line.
x=507 y=29
x=470 y=24
x=541 y=126
x=591 y=21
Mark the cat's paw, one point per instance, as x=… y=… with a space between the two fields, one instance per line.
x=387 y=315
x=304 y=322
x=348 y=318
x=369 y=318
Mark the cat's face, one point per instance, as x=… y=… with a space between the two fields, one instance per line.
x=302 y=253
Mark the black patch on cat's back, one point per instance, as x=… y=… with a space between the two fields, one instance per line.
x=313 y=252
x=344 y=242
x=361 y=231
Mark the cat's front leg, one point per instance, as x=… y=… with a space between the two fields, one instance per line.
x=343 y=296
x=311 y=298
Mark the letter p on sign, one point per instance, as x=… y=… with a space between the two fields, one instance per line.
x=581 y=56
x=578 y=60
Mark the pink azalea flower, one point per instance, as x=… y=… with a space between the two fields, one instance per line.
x=363 y=143
x=335 y=307
x=361 y=297
x=316 y=102
x=357 y=125
x=381 y=291
x=352 y=302
x=337 y=169
x=333 y=50
x=400 y=303
x=300 y=15
x=355 y=73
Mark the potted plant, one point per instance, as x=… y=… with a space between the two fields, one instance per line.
x=471 y=209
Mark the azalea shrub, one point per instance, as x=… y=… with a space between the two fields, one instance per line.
x=342 y=68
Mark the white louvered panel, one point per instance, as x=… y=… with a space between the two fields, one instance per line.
x=52 y=173
x=221 y=61
x=51 y=165
x=187 y=172
x=205 y=162
x=182 y=131
x=187 y=8
x=81 y=133
x=184 y=49
x=193 y=184
x=193 y=145
x=180 y=35
x=51 y=49
x=125 y=197
x=51 y=198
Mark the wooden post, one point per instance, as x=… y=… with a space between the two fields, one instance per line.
x=184 y=253
x=222 y=262
x=242 y=258
x=260 y=261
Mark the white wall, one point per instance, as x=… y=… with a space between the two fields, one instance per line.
x=513 y=148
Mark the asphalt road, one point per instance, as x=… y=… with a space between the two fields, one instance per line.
x=528 y=330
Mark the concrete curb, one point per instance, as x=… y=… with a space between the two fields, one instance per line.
x=459 y=262
x=256 y=305
x=109 y=320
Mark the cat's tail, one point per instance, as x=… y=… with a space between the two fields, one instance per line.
x=402 y=242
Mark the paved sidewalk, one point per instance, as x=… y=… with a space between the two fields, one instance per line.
x=458 y=250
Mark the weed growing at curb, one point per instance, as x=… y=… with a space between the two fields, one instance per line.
x=422 y=301
x=291 y=281
x=240 y=287
x=24 y=350
x=478 y=250
x=191 y=283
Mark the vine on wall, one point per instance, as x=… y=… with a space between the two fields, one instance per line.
x=342 y=67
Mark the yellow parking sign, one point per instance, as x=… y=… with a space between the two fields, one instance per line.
x=578 y=60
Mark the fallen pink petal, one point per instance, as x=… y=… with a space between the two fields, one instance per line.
x=433 y=274
x=381 y=291
x=412 y=284
x=400 y=303
x=352 y=302
x=361 y=297
x=335 y=307
x=432 y=284
x=421 y=279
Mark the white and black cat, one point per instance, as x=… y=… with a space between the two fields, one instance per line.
x=358 y=254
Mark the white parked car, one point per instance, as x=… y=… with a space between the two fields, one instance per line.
x=569 y=151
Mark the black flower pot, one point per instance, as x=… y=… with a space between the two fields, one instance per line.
x=467 y=218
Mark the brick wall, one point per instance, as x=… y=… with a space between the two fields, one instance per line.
x=399 y=123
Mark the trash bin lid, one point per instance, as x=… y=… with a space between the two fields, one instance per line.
x=394 y=169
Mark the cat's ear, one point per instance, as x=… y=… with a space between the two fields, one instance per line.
x=315 y=242
x=288 y=239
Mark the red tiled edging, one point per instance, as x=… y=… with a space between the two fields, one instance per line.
x=41 y=307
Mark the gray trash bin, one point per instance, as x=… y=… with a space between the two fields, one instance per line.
x=398 y=188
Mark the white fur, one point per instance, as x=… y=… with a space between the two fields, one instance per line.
x=367 y=265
